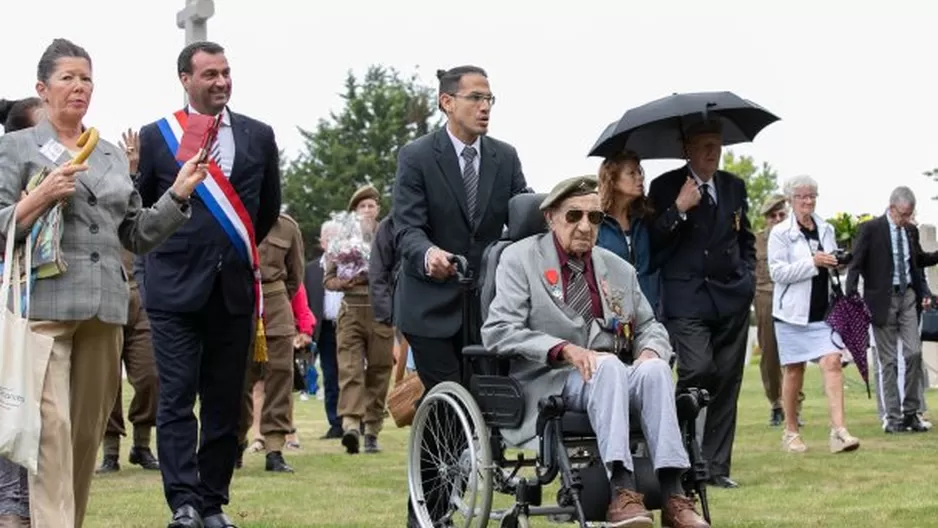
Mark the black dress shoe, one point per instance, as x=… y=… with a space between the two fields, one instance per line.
x=334 y=433
x=143 y=457
x=894 y=427
x=186 y=517
x=109 y=464
x=722 y=482
x=219 y=520
x=276 y=463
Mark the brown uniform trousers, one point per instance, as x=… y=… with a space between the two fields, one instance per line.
x=282 y=268
x=137 y=356
x=365 y=354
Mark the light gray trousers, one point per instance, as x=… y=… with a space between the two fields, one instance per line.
x=617 y=391
x=901 y=326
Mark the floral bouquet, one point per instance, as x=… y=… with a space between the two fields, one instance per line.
x=846 y=227
x=348 y=248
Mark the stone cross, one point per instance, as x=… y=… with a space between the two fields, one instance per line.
x=194 y=20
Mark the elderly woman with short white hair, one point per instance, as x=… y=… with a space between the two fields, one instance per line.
x=802 y=254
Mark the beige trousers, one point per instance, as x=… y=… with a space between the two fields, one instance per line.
x=78 y=394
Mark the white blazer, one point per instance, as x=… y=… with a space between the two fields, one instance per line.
x=791 y=266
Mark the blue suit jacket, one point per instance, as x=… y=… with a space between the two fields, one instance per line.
x=181 y=273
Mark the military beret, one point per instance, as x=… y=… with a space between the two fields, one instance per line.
x=576 y=186
x=703 y=126
x=363 y=193
x=772 y=203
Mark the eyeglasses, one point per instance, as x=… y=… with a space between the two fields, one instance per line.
x=476 y=98
x=573 y=216
x=805 y=197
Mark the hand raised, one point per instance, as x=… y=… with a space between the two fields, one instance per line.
x=131 y=147
x=689 y=196
x=190 y=175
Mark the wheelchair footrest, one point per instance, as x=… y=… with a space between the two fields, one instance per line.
x=500 y=399
x=529 y=493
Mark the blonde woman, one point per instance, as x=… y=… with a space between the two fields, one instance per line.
x=801 y=254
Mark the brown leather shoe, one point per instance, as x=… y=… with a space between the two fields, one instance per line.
x=628 y=509
x=679 y=512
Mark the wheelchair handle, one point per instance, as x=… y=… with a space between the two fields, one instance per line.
x=462 y=266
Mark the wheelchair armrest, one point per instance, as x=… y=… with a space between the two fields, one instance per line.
x=479 y=351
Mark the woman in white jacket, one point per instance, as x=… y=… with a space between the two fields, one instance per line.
x=801 y=254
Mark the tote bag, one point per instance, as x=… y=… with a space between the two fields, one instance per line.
x=24 y=356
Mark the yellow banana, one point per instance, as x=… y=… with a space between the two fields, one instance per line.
x=88 y=141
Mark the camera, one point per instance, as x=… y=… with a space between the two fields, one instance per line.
x=843 y=257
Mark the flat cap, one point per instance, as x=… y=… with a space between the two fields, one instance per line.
x=772 y=203
x=363 y=193
x=576 y=186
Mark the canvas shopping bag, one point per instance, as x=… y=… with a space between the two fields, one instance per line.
x=24 y=356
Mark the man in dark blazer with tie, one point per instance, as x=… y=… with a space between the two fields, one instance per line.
x=703 y=242
x=889 y=256
x=451 y=197
x=200 y=296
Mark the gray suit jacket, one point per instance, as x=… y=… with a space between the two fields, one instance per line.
x=529 y=317
x=104 y=214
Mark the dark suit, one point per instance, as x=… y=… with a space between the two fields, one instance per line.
x=895 y=313
x=707 y=285
x=324 y=337
x=200 y=301
x=430 y=209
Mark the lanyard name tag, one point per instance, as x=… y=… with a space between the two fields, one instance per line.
x=815 y=245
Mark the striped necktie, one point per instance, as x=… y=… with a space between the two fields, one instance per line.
x=216 y=155
x=470 y=179
x=578 y=292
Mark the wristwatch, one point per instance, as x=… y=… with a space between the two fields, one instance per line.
x=182 y=202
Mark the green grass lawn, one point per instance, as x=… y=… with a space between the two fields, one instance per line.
x=888 y=482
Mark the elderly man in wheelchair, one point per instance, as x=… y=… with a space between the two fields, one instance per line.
x=571 y=356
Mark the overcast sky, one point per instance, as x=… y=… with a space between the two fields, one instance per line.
x=855 y=86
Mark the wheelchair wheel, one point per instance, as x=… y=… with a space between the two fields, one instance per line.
x=449 y=466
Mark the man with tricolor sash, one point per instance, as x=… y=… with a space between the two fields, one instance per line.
x=203 y=287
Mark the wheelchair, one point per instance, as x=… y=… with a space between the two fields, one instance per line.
x=457 y=458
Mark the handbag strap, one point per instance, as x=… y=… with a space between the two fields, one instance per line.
x=11 y=269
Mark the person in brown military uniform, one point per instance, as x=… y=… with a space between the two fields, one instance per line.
x=137 y=357
x=281 y=266
x=363 y=385
x=774 y=210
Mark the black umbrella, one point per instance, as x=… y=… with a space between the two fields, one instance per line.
x=655 y=130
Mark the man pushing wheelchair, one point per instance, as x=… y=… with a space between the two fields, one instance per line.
x=577 y=322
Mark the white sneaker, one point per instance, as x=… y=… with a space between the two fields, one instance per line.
x=304 y=397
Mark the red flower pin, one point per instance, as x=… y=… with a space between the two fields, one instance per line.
x=551 y=276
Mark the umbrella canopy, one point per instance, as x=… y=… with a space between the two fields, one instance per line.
x=850 y=318
x=656 y=130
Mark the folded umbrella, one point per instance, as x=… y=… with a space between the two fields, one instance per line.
x=849 y=317
x=656 y=130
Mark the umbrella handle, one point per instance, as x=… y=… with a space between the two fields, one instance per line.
x=87 y=141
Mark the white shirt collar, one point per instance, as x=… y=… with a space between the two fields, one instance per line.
x=699 y=181
x=225 y=115
x=460 y=146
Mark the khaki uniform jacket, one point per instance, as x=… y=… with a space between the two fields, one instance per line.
x=282 y=267
x=764 y=282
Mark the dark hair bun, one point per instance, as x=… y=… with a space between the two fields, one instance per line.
x=5 y=106
x=440 y=74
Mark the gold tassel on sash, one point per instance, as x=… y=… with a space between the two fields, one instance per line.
x=260 y=343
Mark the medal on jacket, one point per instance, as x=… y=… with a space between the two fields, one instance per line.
x=736 y=219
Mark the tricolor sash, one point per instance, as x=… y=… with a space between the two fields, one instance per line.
x=221 y=199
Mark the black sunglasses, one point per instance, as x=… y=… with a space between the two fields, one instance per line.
x=574 y=216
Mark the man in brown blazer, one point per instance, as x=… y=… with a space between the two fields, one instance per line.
x=282 y=266
x=364 y=345
x=137 y=358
